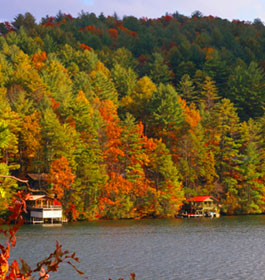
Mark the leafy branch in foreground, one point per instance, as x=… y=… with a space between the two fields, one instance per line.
x=12 y=271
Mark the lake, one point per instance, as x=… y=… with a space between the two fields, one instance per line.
x=186 y=249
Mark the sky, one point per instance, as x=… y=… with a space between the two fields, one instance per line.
x=230 y=9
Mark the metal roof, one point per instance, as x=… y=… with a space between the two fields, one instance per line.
x=37 y=196
x=201 y=198
x=37 y=177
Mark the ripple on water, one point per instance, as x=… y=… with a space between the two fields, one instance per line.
x=208 y=249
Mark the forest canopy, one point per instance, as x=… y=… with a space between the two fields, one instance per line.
x=128 y=117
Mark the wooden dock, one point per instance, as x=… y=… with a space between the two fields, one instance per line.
x=188 y=215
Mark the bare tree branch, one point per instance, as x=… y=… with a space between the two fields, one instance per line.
x=23 y=181
x=15 y=178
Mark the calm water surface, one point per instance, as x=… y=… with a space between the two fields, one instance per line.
x=228 y=248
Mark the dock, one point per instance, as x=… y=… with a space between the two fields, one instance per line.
x=191 y=215
x=44 y=209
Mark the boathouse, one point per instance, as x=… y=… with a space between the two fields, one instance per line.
x=201 y=206
x=43 y=209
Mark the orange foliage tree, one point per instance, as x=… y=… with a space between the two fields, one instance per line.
x=111 y=142
x=111 y=135
x=85 y=47
x=38 y=60
x=30 y=138
x=62 y=180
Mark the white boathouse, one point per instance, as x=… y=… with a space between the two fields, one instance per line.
x=43 y=209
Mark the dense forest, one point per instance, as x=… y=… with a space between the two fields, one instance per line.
x=128 y=117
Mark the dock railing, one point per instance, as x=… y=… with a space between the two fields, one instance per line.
x=45 y=207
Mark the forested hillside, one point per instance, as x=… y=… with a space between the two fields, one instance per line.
x=130 y=116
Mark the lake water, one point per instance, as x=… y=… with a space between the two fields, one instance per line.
x=228 y=248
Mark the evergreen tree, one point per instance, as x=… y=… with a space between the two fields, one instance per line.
x=58 y=139
x=217 y=69
x=159 y=71
x=227 y=155
x=165 y=195
x=251 y=191
x=252 y=171
x=186 y=90
x=209 y=93
x=137 y=102
x=90 y=170
x=196 y=163
x=124 y=79
x=166 y=112
x=247 y=90
x=27 y=21
x=103 y=87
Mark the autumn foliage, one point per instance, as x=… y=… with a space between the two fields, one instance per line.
x=61 y=177
x=128 y=117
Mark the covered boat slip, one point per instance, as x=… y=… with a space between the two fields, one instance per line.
x=201 y=206
x=42 y=215
x=43 y=209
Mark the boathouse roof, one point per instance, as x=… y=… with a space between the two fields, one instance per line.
x=37 y=196
x=36 y=176
x=43 y=197
x=40 y=197
x=201 y=198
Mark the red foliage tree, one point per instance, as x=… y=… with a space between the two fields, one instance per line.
x=113 y=33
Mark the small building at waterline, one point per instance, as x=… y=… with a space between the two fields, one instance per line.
x=43 y=209
x=201 y=206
